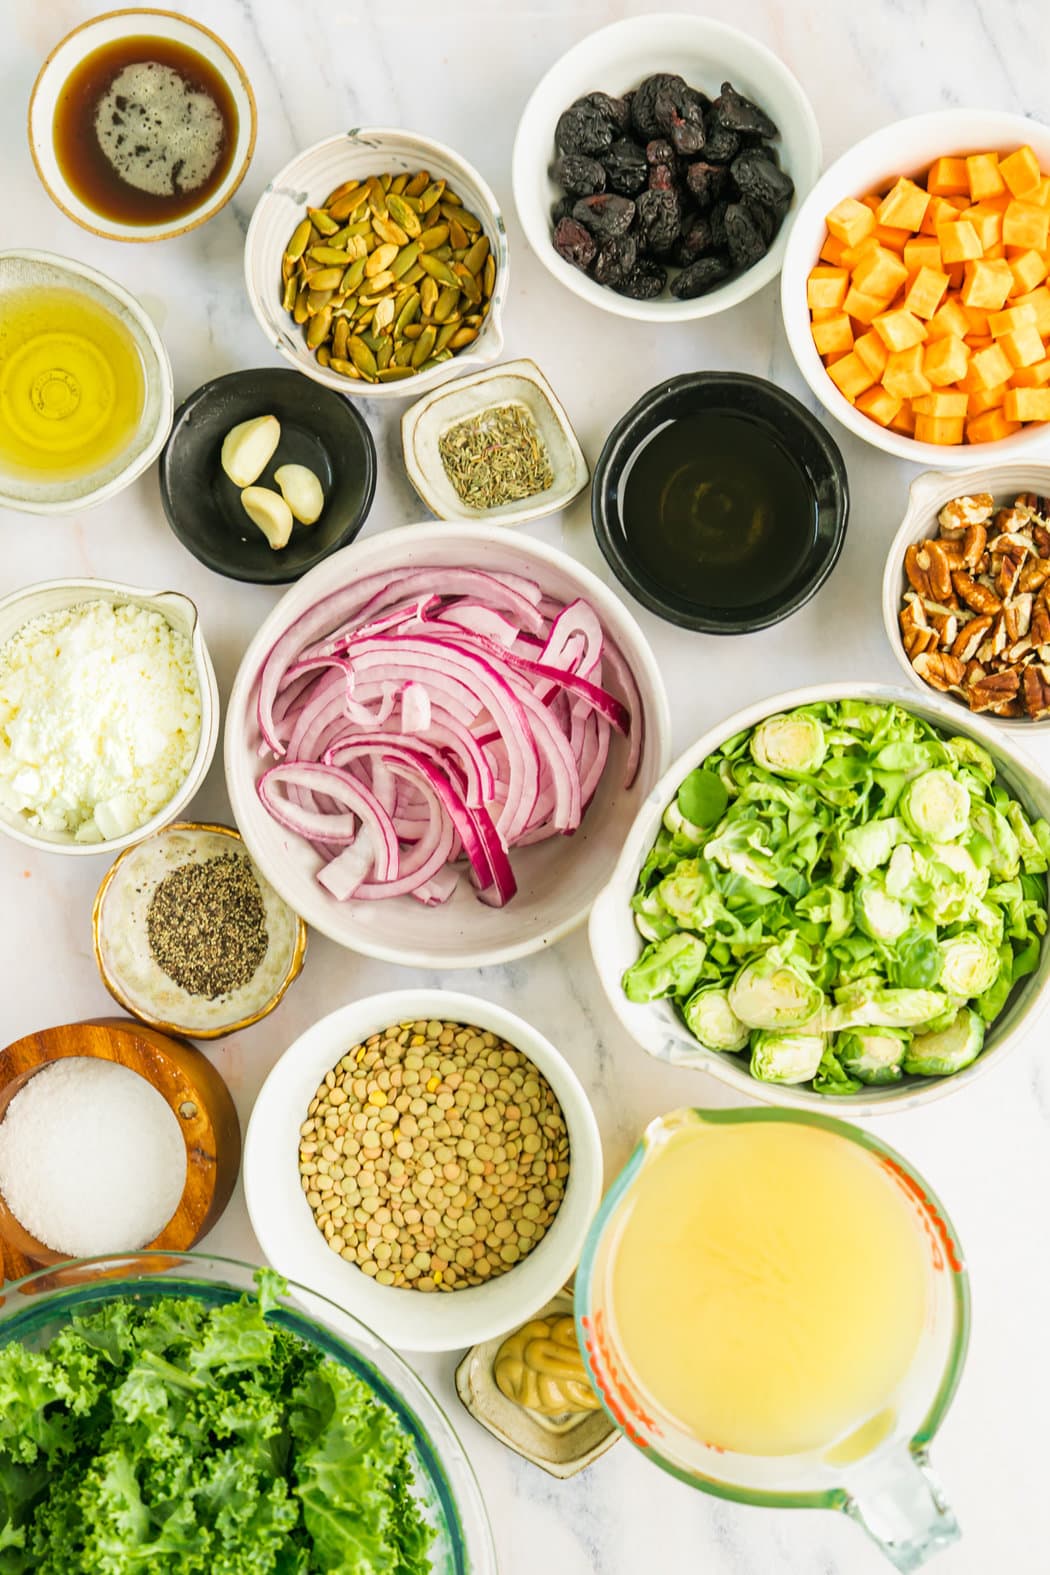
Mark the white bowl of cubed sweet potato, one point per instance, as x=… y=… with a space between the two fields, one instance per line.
x=915 y=288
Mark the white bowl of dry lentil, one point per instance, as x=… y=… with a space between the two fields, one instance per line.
x=284 y=1213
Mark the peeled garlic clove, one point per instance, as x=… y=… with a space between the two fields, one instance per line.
x=270 y=512
x=248 y=449
x=302 y=491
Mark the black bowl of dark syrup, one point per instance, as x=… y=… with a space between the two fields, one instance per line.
x=720 y=502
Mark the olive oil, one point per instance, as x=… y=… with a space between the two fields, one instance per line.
x=717 y=511
x=145 y=130
x=72 y=388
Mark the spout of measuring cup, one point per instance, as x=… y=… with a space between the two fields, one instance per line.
x=901 y=1505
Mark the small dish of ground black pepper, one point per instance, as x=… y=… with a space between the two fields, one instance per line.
x=495 y=446
x=190 y=937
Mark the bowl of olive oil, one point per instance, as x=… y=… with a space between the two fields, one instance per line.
x=85 y=385
x=720 y=502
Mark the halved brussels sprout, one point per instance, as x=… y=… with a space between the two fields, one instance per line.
x=941 y=1054
x=769 y=994
x=969 y=964
x=710 y=1018
x=878 y=914
x=791 y=743
x=872 y=1004
x=872 y=1054
x=936 y=806
x=786 y=1057
x=676 y=823
x=969 y=753
x=683 y=888
x=997 y=843
x=868 y=847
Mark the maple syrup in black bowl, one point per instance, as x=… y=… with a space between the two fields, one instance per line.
x=720 y=502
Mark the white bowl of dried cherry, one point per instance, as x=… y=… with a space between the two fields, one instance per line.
x=633 y=140
x=966 y=591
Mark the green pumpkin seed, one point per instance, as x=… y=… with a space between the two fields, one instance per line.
x=413 y=331
x=379 y=260
x=461 y=338
x=362 y=356
x=327 y=254
x=386 y=180
x=437 y=269
x=300 y=240
x=353 y=276
x=445 y=335
x=317 y=300
x=475 y=258
x=322 y=355
x=341 y=191
x=388 y=231
x=317 y=329
x=300 y=311
x=418 y=184
x=431 y=239
x=344 y=368
x=340 y=334
x=322 y=223
x=457 y=234
x=470 y=286
x=424 y=347
x=326 y=279
x=404 y=214
x=398 y=184
x=385 y=353
x=414 y=274
x=288 y=267
x=360 y=227
x=405 y=259
x=379 y=282
x=384 y=314
x=376 y=196
x=291 y=290
x=446 y=305
x=488 y=276
x=433 y=194
x=429 y=291
x=407 y=314
x=394 y=374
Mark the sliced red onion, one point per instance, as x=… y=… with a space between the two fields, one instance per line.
x=448 y=713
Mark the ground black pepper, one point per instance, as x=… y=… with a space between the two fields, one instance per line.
x=206 y=925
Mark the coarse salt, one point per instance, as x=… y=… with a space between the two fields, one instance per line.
x=92 y=1159
x=100 y=717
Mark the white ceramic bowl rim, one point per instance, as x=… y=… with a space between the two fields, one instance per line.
x=896 y=150
x=283 y=1222
x=737 y=55
x=927 y=495
x=149 y=441
x=654 y=1025
x=169 y=24
x=292 y=182
x=66 y=593
x=380 y=937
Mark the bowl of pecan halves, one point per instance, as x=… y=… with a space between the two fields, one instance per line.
x=966 y=592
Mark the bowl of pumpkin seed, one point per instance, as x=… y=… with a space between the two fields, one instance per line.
x=431 y=1159
x=376 y=262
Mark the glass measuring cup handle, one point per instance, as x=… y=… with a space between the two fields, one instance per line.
x=901 y=1505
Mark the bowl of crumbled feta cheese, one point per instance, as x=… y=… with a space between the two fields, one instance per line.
x=109 y=713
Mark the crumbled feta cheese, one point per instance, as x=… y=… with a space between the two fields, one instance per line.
x=100 y=717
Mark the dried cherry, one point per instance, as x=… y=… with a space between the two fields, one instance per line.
x=762 y=181
x=659 y=221
x=703 y=275
x=562 y=209
x=705 y=182
x=605 y=215
x=626 y=168
x=617 y=111
x=721 y=145
x=744 y=235
x=615 y=260
x=584 y=130
x=575 y=243
x=643 y=105
x=578 y=175
x=645 y=281
x=736 y=113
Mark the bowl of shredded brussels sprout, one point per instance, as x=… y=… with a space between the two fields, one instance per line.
x=837 y=894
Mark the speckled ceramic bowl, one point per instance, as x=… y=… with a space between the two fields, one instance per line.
x=311 y=175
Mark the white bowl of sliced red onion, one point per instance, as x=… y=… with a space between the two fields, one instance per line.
x=437 y=742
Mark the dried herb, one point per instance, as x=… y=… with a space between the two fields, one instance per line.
x=206 y=925
x=496 y=457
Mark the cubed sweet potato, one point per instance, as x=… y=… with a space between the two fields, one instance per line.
x=850 y=221
x=878 y=403
x=982 y=170
x=904 y=376
x=959 y=241
x=834 y=333
x=987 y=284
x=1027 y=404
x=904 y=205
x=1026 y=224
x=1020 y=170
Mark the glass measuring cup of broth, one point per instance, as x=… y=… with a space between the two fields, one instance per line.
x=774 y=1308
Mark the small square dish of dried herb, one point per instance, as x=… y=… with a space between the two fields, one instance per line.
x=496 y=445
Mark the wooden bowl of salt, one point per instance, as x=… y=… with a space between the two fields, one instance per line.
x=195 y=1094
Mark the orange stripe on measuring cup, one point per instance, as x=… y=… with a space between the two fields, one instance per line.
x=611 y=1384
x=936 y=1226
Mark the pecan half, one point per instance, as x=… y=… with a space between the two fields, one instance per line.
x=1039 y=629
x=1017 y=617
x=980 y=597
x=939 y=669
x=1041 y=537
x=974 y=543
x=970 y=636
x=1037 y=689
x=960 y=512
x=1010 y=571
x=1034 y=574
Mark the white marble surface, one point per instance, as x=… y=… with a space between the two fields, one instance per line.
x=460 y=70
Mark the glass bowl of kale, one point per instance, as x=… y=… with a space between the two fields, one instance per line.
x=182 y=1412
x=659 y=163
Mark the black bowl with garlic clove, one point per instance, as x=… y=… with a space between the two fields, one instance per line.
x=720 y=502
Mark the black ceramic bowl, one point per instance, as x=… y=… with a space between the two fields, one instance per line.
x=319 y=428
x=793 y=428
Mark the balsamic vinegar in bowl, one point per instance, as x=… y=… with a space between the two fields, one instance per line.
x=720 y=502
